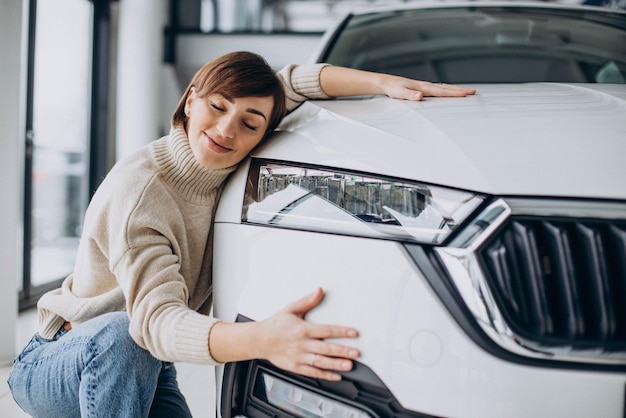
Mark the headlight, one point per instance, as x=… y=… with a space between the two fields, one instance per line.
x=304 y=403
x=354 y=204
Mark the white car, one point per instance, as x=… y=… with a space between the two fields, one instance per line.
x=478 y=244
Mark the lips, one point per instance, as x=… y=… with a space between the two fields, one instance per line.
x=215 y=145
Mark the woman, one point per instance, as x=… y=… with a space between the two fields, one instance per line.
x=140 y=292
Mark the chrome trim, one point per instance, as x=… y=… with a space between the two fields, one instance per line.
x=461 y=262
x=481 y=228
x=568 y=208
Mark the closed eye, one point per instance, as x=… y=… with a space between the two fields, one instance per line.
x=249 y=126
x=216 y=107
x=252 y=128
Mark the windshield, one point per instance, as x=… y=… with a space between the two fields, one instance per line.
x=486 y=45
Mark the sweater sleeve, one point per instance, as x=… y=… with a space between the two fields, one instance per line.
x=302 y=82
x=156 y=296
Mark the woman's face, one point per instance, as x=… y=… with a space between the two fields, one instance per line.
x=223 y=131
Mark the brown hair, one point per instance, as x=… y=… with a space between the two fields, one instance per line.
x=237 y=74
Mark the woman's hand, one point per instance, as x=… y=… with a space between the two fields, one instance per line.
x=342 y=81
x=287 y=341
x=299 y=346
x=408 y=89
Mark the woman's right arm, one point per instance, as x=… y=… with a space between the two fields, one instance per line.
x=324 y=81
x=288 y=341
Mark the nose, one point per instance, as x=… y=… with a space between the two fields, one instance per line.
x=226 y=126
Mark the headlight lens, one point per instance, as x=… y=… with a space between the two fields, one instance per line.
x=351 y=204
x=305 y=403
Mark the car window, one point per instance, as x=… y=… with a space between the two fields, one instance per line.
x=487 y=44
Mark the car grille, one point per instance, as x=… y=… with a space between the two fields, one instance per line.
x=560 y=281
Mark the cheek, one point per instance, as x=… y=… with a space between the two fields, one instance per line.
x=252 y=144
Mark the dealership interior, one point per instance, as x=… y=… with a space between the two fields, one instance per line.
x=84 y=83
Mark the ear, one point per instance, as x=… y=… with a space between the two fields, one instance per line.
x=188 y=102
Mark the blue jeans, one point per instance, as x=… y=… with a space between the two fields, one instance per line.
x=95 y=370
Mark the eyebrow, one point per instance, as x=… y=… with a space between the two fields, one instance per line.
x=256 y=112
x=249 y=110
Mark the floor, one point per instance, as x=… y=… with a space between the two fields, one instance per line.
x=197 y=382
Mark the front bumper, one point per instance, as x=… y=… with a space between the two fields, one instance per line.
x=417 y=337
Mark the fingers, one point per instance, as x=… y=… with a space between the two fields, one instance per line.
x=324 y=331
x=446 y=90
x=323 y=359
x=334 y=350
x=330 y=363
x=297 y=345
x=322 y=367
x=425 y=89
x=415 y=90
x=408 y=93
x=336 y=358
x=318 y=359
x=320 y=374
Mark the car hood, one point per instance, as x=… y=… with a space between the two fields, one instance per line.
x=538 y=139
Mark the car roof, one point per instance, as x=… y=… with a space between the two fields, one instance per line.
x=534 y=139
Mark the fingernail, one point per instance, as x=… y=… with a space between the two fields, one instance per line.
x=352 y=333
x=346 y=365
x=353 y=353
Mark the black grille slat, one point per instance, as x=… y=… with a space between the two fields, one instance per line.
x=560 y=281
x=594 y=259
x=534 y=289
x=566 y=305
x=495 y=258
x=617 y=266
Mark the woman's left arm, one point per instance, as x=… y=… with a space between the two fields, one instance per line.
x=338 y=81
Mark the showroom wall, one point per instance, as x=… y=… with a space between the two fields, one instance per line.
x=11 y=123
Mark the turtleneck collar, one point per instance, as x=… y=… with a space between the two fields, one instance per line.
x=180 y=169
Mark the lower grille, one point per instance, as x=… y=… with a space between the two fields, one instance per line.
x=560 y=281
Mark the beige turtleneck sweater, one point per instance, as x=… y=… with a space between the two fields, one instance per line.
x=146 y=247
